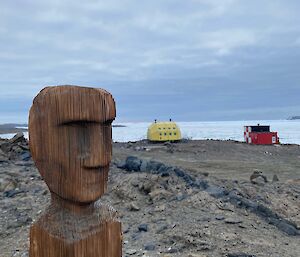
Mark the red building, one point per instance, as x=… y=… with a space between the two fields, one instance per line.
x=260 y=135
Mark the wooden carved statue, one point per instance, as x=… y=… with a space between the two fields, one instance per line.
x=70 y=142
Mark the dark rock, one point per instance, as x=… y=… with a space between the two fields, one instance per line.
x=149 y=247
x=25 y=156
x=165 y=174
x=162 y=168
x=189 y=180
x=144 y=166
x=220 y=217
x=24 y=219
x=179 y=172
x=121 y=165
x=154 y=165
x=133 y=163
x=172 y=250
x=24 y=163
x=204 y=219
x=204 y=246
x=143 y=227
x=258 y=178
x=264 y=212
x=136 y=236
x=162 y=228
x=235 y=197
x=38 y=189
x=233 y=221
x=216 y=191
x=290 y=229
x=275 y=178
x=202 y=184
x=24 y=147
x=240 y=255
x=20 y=222
x=13 y=192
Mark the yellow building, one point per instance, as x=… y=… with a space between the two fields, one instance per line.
x=164 y=131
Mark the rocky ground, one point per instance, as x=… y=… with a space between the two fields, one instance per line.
x=194 y=198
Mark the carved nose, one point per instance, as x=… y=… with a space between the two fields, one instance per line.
x=95 y=145
x=97 y=156
x=91 y=161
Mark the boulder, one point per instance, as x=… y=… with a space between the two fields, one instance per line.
x=258 y=178
x=19 y=137
x=216 y=191
x=133 y=163
x=144 y=165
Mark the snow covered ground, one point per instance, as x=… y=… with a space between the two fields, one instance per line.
x=288 y=131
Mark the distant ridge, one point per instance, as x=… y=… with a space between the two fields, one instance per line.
x=13 y=128
x=118 y=126
x=294 y=118
x=13 y=125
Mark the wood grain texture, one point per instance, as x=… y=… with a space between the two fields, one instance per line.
x=70 y=230
x=70 y=142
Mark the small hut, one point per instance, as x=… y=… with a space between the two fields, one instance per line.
x=163 y=131
x=260 y=135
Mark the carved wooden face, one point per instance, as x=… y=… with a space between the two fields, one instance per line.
x=70 y=140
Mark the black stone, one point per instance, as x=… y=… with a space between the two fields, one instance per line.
x=13 y=192
x=143 y=227
x=179 y=172
x=133 y=163
x=25 y=156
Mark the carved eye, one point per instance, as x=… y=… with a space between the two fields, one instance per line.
x=107 y=123
x=78 y=123
x=84 y=123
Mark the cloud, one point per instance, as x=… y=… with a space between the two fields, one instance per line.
x=152 y=49
x=224 y=41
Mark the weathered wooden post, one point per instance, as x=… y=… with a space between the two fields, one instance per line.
x=70 y=142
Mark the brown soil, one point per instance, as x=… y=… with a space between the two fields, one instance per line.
x=181 y=218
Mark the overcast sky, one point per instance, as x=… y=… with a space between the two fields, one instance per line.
x=190 y=60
